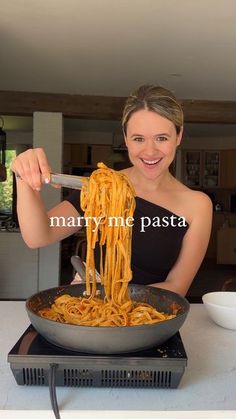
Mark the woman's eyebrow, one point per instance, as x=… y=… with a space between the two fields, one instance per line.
x=137 y=135
x=156 y=135
x=162 y=134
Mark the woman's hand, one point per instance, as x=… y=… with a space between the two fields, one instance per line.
x=32 y=167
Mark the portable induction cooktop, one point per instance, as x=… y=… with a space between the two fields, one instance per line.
x=33 y=359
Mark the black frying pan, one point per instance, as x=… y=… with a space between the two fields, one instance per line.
x=109 y=340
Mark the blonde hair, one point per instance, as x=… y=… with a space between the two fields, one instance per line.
x=156 y=99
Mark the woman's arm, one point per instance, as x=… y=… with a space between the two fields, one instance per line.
x=193 y=249
x=35 y=223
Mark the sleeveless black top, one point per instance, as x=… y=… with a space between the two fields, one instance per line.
x=155 y=248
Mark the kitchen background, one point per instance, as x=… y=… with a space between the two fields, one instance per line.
x=73 y=55
x=205 y=161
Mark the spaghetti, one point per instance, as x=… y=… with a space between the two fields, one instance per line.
x=109 y=197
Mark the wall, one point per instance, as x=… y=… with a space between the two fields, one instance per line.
x=209 y=143
x=19 y=139
x=48 y=133
x=195 y=137
x=25 y=271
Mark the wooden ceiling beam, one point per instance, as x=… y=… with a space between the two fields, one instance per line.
x=72 y=106
x=209 y=111
x=106 y=107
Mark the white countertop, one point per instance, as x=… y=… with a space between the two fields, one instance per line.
x=208 y=384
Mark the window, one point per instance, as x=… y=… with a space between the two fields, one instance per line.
x=6 y=188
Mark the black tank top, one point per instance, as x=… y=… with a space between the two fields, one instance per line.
x=155 y=248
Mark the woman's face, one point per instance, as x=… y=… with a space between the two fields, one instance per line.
x=151 y=141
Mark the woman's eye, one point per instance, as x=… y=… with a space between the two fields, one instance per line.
x=161 y=138
x=138 y=139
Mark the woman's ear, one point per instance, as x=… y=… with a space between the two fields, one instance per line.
x=125 y=138
x=179 y=136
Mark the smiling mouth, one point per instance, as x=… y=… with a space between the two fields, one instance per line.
x=151 y=162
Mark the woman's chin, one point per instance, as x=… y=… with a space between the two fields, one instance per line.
x=150 y=171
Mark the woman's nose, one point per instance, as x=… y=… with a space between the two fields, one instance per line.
x=150 y=147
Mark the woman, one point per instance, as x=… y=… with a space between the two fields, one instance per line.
x=172 y=223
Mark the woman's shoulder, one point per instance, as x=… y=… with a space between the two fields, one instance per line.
x=192 y=194
x=197 y=204
x=196 y=197
x=194 y=203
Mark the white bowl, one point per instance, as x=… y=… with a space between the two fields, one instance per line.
x=221 y=307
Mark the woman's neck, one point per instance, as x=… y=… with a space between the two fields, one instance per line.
x=141 y=183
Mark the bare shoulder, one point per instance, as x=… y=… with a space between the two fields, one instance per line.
x=200 y=199
x=191 y=197
x=197 y=204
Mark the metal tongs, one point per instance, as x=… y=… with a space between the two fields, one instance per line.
x=79 y=267
x=68 y=181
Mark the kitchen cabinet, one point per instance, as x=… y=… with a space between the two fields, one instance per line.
x=79 y=155
x=75 y=155
x=100 y=153
x=211 y=168
x=192 y=167
x=228 y=169
x=226 y=245
x=85 y=155
x=222 y=242
x=217 y=222
x=19 y=267
x=25 y=271
x=201 y=168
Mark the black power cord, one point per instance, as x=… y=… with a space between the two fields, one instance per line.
x=52 y=390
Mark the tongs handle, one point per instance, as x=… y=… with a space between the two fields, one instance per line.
x=79 y=266
x=68 y=181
